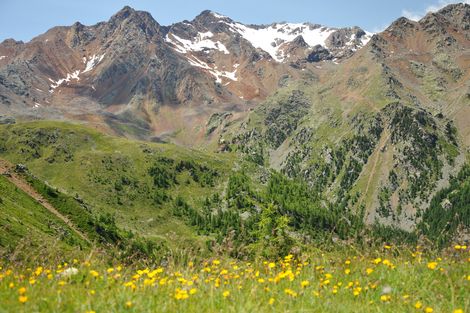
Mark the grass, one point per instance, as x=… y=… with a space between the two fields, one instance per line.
x=389 y=280
x=26 y=224
x=82 y=162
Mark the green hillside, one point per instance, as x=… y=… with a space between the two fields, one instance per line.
x=179 y=201
x=30 y=230
x=135 y=182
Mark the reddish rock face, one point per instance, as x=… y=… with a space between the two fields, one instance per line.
x=132 y=71
x=129 y=68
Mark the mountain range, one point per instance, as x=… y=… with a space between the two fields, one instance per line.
x=132 y=70
x=375 y=124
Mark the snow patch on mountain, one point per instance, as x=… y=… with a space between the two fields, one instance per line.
x=365 y=39
x=92 y=62
x=230 y=75
x=270 y=38
x=2 y=57
x=219 y=75
x=217 y=15
x=201 y=42
x=68 y=78
x=351 y=44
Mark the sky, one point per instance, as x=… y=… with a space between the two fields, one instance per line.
x=25 y=19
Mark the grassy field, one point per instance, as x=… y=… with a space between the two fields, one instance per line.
x=389 y=280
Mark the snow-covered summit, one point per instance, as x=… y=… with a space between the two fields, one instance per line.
x=269 y=38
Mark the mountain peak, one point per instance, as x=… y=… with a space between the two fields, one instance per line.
x=137 y=20
x=128 y=13
x=458 y=14
x=11 y=42
x=402 y=22
x=124 y=13
x=455 y=8
x=208 y=16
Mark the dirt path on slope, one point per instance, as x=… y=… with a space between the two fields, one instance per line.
x=7 y=169
x=383 y=141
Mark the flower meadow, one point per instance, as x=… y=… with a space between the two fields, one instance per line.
x=389 y=280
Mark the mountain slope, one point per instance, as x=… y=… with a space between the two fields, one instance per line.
x=136 y=182
x=7 y=170
x=28 y=227
x=381 y=133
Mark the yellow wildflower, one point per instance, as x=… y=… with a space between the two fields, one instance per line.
x=432 y=265
x=38 y=271
x=290 y=292
x=357 y=291
x=181 y=294
x=22 y=299
x=385 y=298
x=223 y=272
x=226 y=294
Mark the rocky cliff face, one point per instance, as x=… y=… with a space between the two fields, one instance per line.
x=128 y=74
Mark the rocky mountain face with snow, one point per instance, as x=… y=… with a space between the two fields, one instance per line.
x=132 y=71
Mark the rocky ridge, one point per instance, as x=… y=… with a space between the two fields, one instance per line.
x=133 y=71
